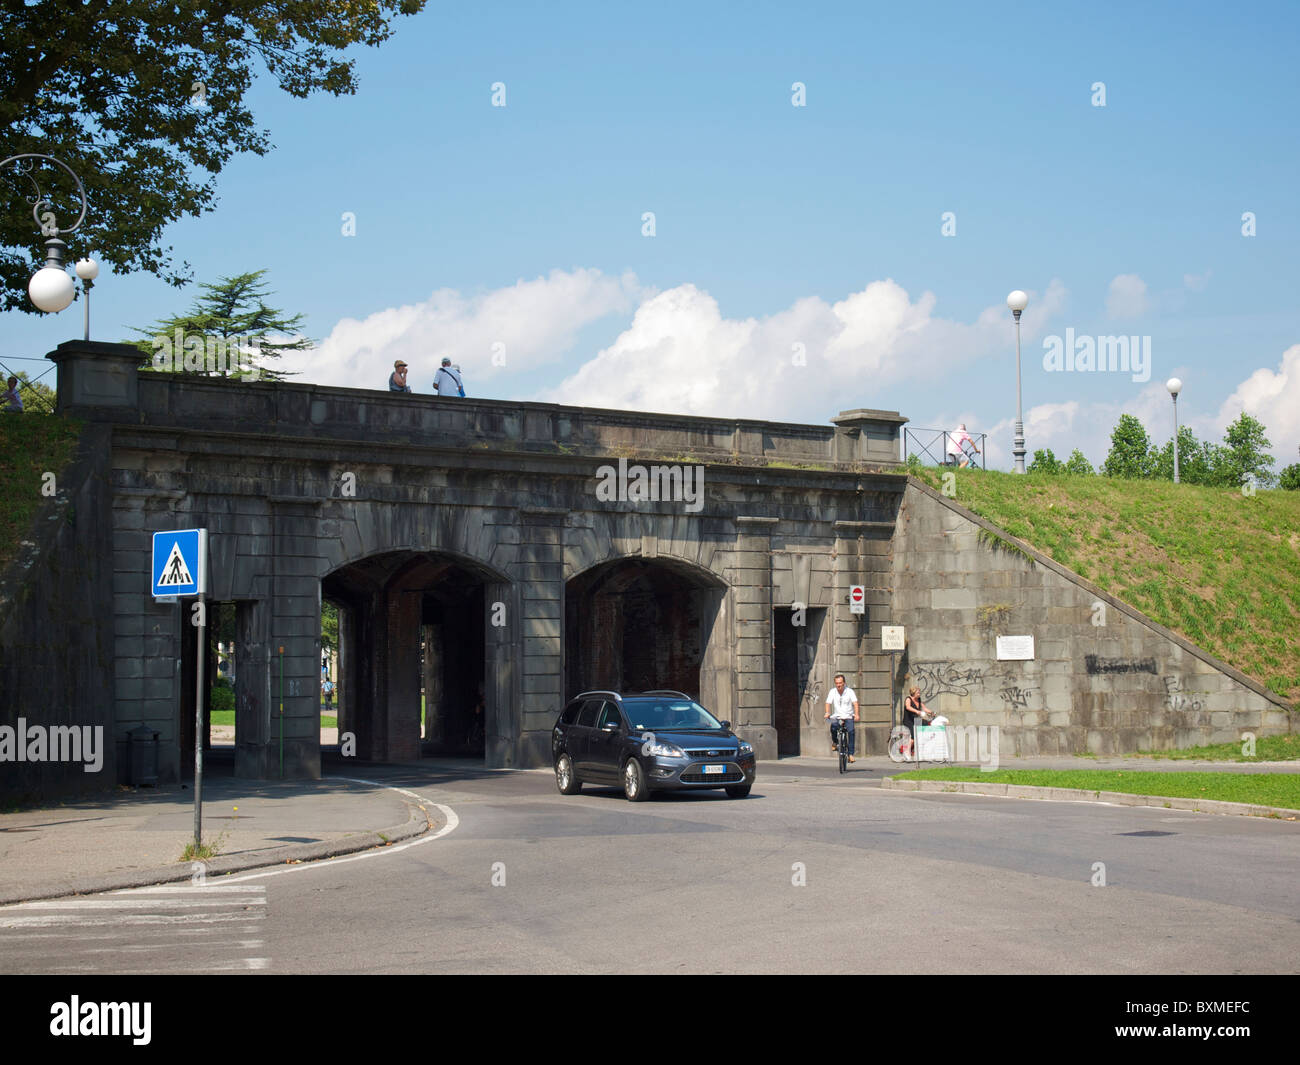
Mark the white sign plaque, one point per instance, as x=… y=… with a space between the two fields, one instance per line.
x=1015 y=648
x=891 y=638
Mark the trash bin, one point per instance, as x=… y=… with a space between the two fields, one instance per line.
x=144 y=756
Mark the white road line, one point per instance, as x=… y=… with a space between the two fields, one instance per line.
x=56 y=920
x=128 y=904
x=452 y=822
x=191 y=889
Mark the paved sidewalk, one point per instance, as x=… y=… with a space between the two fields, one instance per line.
x=132 y=837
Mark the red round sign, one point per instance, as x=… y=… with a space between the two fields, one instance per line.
x=857 y=595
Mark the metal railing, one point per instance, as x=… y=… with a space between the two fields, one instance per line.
x=931 y=446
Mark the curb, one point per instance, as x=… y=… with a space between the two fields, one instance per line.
x=1114 y=798
x=416 y=824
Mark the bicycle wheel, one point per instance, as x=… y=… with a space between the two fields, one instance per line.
x=897 y=739
x=844 y=749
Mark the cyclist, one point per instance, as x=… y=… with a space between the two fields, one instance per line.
x=842 y=710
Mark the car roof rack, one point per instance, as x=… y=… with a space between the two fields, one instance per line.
x=665 y=691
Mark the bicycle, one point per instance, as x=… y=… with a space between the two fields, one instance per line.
x=841 y=728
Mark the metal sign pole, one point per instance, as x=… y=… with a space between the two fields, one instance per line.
x=198 y=730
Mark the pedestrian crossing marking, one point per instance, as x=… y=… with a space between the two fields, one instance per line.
x=175 y=572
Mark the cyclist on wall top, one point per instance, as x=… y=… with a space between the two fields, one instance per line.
x=841 y=707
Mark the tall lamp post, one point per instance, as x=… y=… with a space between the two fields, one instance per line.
x=1175 y=386
x=1018 y=301
x=51 y=289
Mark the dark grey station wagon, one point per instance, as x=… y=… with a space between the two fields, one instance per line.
x=648 y=741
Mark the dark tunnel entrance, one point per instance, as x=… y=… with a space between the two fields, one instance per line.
x=635 y=625
x=413 y=660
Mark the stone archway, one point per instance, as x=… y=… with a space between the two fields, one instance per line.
x=422 y=665
x=634 y=624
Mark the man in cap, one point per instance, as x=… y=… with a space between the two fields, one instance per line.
x=397 y=379
x=447 y=381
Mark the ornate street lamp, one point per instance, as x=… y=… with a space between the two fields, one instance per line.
x=1018 y=301
x=1175 y=386
x=51 y=289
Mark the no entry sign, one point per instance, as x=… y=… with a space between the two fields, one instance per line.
x=857 y=599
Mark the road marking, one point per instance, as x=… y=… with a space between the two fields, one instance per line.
x=331 y=863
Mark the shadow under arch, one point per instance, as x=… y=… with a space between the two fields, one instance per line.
x=633 y=624
x=424 y=667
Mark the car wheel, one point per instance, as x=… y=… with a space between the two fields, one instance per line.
x=565 y=778
x=738 y=791
x=634 y=785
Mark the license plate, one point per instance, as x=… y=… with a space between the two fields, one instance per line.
x=715 y=769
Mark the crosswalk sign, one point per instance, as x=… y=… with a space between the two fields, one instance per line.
x=180 y=562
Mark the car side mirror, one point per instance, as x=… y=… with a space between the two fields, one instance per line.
x=726 y=724
x=609 y=727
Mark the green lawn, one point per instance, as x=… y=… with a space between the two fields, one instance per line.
x=1267 y=749
x=1216 y=566
x=227 y=717
x=30 y=446
x=1265 y=789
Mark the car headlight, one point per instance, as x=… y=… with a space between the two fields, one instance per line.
x=662 y=750
x=745 y=748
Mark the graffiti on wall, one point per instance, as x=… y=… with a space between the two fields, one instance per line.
x=1095 y=665
x=943 y=678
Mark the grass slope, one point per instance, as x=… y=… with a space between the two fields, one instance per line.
x=1214 y=565
x=1264 y=789
x=30 y=446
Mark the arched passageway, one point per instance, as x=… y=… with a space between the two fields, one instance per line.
x=635 y=625
x=415 y=656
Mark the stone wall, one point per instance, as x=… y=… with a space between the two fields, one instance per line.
x=1104 y=679
x=56 y=636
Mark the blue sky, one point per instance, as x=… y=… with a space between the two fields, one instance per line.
x=518 y=230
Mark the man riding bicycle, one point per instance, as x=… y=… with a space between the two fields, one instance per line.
x=842 y=712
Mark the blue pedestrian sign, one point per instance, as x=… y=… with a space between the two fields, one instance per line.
x=180 y=562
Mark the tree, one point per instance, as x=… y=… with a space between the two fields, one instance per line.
x=1079 y=466
x=145 y=102
x=1289 y=479
x=226 y=332
x=1197 y=462
x=1244 y=453
x=1045 y=462
x=1130 y=450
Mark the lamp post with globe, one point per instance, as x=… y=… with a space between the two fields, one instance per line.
x=1018 y=301
x=1175 y=386
x=50 y=288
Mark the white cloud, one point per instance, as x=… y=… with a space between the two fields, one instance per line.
x=681 y=355
x=1197 y=282
x=533 y=321
x=1127 y=297
x=1271 y=397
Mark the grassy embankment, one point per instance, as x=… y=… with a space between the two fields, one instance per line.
x=30 y=446
x=1264 y=789
x=1220 y=568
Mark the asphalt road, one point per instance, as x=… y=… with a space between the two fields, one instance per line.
x=812 y=873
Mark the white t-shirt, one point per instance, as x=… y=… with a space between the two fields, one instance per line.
x=841 y=705
x=449 y=385
x=955 y=441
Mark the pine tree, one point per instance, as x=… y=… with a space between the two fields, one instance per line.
x=235 y=330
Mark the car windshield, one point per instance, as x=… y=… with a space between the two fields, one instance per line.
x=668 y=714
